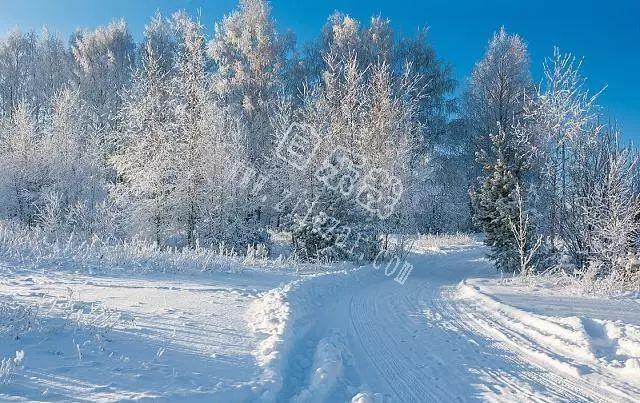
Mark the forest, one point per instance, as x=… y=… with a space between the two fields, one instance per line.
x=187 y=140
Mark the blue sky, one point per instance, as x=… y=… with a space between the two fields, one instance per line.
x=605 y=33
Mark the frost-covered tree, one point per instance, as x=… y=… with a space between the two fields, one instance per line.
x=17 y=70
x=160 y=43
x=104 y=60
x=613 y=223
x=342 y=35
x=599 y=228
x=497 y=87
x=442 y=152
x=33 y=69
x=561 y=115
x=22 y=173
x=392 y=132
x=229 y=214
x=249 y=56
x=70 y=153
x=53 y=71
x=362 y=120
x=343 y=38
x=378 y=41
x=191 y=100
x=146 y=162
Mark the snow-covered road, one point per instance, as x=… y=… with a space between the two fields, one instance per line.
x=421 y=342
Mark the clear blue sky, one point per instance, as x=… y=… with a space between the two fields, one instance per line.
x=605 y=33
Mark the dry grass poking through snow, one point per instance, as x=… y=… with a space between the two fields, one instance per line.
x=36 y=248
x=585 y=284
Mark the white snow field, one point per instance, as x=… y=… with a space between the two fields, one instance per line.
x=452 y=332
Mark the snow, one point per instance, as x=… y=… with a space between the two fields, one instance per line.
x=187 y=338
x=131 y=187
x=284 y=316
x=453 y=331
x=604 y=351
x=327 y=370
x=9 y=365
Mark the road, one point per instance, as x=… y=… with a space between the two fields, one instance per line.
x=416 y=343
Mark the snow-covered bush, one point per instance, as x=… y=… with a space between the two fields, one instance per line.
x=92 y=320
x=320 y=238
x=613 y=220
x=435 y=241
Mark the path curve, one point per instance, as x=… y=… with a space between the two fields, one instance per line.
x=416 y=343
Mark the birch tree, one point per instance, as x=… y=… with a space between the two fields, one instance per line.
x=496 y=90
x=146 y=162
x=23 y=174
x=191 y=95
x=72 y=159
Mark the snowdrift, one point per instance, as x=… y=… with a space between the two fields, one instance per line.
x=283 y=317
x=607 y=352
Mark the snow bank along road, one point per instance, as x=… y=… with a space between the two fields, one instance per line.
x=450 y=333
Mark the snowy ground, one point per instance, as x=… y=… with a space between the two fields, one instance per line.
x=175 y=336
x=453 y=331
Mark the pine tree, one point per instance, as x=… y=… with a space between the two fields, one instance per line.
x=498 y=204
x=494 y=206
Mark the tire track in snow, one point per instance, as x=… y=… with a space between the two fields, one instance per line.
x=419 y=363
x=412 y=343
x=558 y=387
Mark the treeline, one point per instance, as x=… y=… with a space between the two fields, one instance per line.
x=184 y=140
x=556 y=190
x=168 y=139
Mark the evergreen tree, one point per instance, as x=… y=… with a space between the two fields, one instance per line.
x=495 y=206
